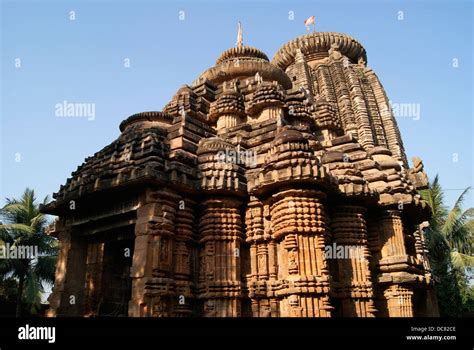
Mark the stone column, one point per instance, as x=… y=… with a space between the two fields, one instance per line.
x=60 y=276
x=393 y=261
x=350 y=249
x=184 y=252
x=252 y=281
x=393 y=244
x=153 y=287
x=220 y=233
x=226 y=121
x=299 y=225
x=399 y=301
x=74 y=255
x=94 y=266
x=431 y=301
x=264 y=261
x=66 y=298
x=375 y=246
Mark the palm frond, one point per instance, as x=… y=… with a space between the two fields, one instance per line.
x=33 y=289
x=23 y=225
x=17 y=229
x=461 y=261
x=438 y=246
x=460 y=200
x=435 y=198
x=458 y=235
x=45 y=268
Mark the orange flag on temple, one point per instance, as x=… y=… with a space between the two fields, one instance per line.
x=309 y=20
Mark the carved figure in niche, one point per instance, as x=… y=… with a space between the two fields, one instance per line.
x=210 y=267
x=186 y=261
x=202 y=266
x=160 y=308
x=236 y=85
x=293 y=300
x=164 y=250
x=210 y=308
x=294 y=304
x=293 y=261
x=262 y=263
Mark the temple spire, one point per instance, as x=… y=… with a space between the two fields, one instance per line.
x=239 y=36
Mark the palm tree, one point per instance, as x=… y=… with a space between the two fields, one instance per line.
x=24 y=226
x=450 y=239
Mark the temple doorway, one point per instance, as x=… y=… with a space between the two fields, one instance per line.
x=116 y=281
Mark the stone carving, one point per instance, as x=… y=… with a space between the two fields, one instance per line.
x=160 y=308
x=164 y=250
x=417 y=174
x=293 y=261
x=334 y=52
x=361 y=62
x=233 y=195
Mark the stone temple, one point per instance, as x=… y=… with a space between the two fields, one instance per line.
x=265 y=188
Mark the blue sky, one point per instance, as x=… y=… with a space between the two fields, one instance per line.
x=82 y=61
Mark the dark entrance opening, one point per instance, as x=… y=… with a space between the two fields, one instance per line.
x=116 y=281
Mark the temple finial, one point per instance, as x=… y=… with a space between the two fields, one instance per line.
x=239 y=36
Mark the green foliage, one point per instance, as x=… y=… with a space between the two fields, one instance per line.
x=8 y=289
x=23 y=225
x=450 y=242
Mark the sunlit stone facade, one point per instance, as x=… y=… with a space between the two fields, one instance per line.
x=247 y=195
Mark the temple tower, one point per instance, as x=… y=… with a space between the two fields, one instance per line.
x=264 y=188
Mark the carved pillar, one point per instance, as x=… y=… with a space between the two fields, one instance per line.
x=226 y=121
x=409 y=232
x=393 y=244
x=374 y=245
x=393 y=262
x=55 y=297
x=184 y=252
x=351 y=251
x=94 y=265
x=399 y=300
x=431 y=301
x=220 y=233
x=264 y=261
x=425 y=302
x=153 y=287
x=299 y=225
x=67 y=295
x=271 y=112
x=273 y=278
